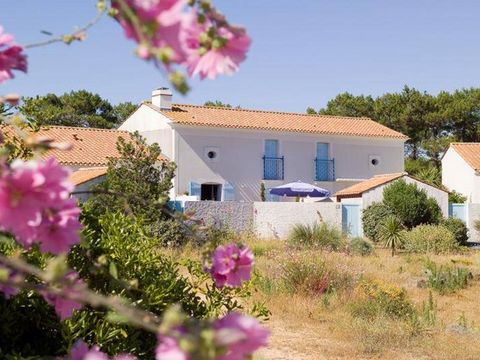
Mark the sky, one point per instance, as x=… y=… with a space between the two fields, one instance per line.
x=304 y=52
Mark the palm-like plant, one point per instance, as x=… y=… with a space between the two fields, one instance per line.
x=391 y=233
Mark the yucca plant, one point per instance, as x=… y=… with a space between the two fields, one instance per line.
x=392 y=233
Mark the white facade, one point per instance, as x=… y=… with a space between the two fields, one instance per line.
x=459 y=176
x=237 y=170
x=371 y=196
x=376 y=194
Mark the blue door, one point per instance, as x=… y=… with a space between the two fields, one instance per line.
x=458 y=211
x=271 y=163
x=322 y=161
x=351 y=220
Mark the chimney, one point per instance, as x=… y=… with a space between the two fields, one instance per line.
x=162 y=98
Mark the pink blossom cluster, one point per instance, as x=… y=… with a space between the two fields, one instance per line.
x=167 y=33
x=81 y=351
x=64 y=307
x=236 y=337
x=231 y=265
x=36 y=207
x=11 y=57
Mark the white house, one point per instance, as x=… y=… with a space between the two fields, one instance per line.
x=369 y=191
x=89 y=155
x=224 y=154
x=461 y=170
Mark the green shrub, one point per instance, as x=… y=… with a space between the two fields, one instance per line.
x=377 y=299
x=372 y=217
x=410 y=204
x=458 y=228
x=313 y=277
x=392 y=233
x=430 y=239
x=119 y=258
x=446 y=279
x=360 y=246
x=456 y=198
x=317 y=235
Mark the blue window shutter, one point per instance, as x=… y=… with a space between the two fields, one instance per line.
x=195 y=189
x=228 y=192
x=271 y=148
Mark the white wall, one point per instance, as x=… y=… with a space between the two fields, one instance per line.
x=459 y=176
x=473 y=214
x=275 y=220
x=240 y=158
x=376 y=194
x=153 y=126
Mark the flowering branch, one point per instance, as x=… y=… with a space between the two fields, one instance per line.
x=77 y=35
x=135 y=316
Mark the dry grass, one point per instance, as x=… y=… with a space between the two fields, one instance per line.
x=310 y=325
x=306 y=326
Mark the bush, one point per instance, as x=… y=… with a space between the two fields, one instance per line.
x=456 y=198
x=372 y=217
x=446 y=279
x=118 y=258
x=434 y=239
x=411 y=205
x=360 y=246
x=378 y=299
x=313 y=277
x=317 y=235
x=458 y=228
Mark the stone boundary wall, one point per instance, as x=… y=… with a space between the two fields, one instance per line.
x=268 y=220
x=274 y=220
x=235 y=215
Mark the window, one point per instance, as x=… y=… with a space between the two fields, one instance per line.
x=210 y=192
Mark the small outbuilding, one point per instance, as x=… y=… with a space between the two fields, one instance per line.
x=369 y=191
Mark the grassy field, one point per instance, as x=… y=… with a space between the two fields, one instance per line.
x=323 y=306
x=313 y=321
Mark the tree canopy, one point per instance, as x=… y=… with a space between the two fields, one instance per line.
x=78 y=108
x=430 y=121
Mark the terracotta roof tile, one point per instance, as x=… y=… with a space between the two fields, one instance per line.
x=277 y=121
x=83 y=175
x=358 y=189
x=91 y=147
x=470 y=152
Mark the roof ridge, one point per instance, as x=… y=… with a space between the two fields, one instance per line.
x=275 y=112
x=46 y=127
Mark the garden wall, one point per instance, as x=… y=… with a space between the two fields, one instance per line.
x=274 y=220
x=269 y=220
x=237 y=216
x=473 y=214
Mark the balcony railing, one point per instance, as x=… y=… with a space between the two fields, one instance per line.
x=273 y=168
x=325 y=169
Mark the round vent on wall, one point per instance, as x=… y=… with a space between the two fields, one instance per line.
x=212 y=153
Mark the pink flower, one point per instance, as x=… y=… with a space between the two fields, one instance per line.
x=223 y=56
x=35 y=205
x=64 y=307
x=58 y=231
x=81 y=351
x=11 y=57
x=168 y=349
x=231 y=265
x=240 y=335
x=160 y=26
